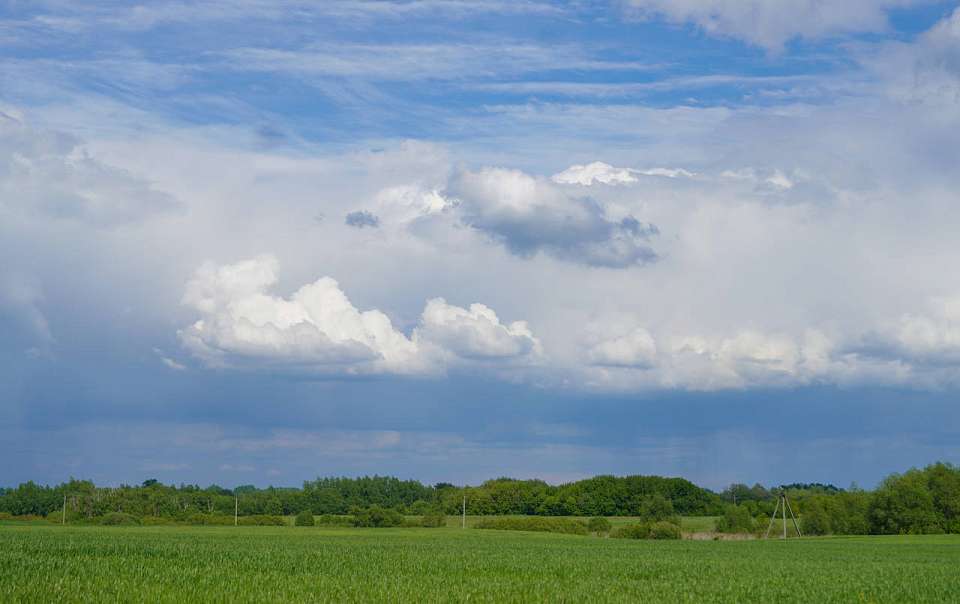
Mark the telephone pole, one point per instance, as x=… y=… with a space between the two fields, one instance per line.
x=463 y=518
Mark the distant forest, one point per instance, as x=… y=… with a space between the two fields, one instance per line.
x=919 y=501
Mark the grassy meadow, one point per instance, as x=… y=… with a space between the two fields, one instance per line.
x=44 y=563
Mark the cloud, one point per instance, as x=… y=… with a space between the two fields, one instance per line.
x=319 y=330
x=928 y=340
x=529 y=215
x=418 y=62
x=475 y=333
x=362 y=218
x=168 y=362
x=599 y=172
x=21 y=300
x=317 y=327
x=70 y=18
x=51 y=174
x=635 y=349
x=773 y=23
x=926 y=70
x=596 y=172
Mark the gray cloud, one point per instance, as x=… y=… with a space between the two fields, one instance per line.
x=529 y=215
x=361 y=219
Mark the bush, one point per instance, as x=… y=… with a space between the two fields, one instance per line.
x=263 y=520
x=664 y=530
x=632 y=531
x=434 y=520
x=157 y=521
x=598 y=525
x=7 y=516
x=736 y=519
x=119 y=519
x=331 y=520
x=209 y=520
x=567 y=526
x=376 y=516
x=304 y=518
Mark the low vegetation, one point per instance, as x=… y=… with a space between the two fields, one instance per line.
x=45 y=563
x=569 y=526
x=304 y=518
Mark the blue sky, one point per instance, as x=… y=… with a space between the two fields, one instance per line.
x=257 y=242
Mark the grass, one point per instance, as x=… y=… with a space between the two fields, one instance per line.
x=43 y=563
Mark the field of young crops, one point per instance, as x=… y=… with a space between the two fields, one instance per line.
x=186 y=564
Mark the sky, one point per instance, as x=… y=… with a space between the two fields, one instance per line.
x=257 y=242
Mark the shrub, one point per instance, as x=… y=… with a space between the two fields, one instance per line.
x=157 y=521
x=331 y=520
x=664 y=530
x=209 y=519
x=7 y=516
x=434 y=520
x=632 y=531
x=598 y=525
x=304 y=518
x=567 y=526
x=376 y=516
x=263 y=520
x=119 y=519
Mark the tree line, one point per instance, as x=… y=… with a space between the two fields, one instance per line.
x=918 y=501
x=598 y=496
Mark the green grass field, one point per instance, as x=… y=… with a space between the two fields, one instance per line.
x=43 y=563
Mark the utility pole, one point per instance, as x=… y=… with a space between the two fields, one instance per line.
x=236 y=509
x=463 y=518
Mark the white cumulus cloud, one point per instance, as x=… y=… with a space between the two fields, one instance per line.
x=475 y=332
x=319 y=329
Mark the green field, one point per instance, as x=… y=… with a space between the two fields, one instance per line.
x=41 y=563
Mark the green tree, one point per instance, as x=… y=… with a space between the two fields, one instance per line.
x=904 y=504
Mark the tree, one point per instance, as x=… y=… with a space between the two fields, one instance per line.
x=736 y=519
x=657 y=508
x=304 y=518
x=815 y=518
x=903 y=504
